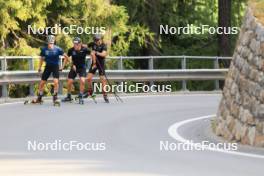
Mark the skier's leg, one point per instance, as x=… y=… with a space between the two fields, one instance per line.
x=90 y=83
x=56 y=85
x=41 y=86
x=56 y=75
x=82 y=75
x=92 y=71
x=44 y=78
x=69 y=89
x=101 y=68
x=103 y=81
x=40 y=92
x=82 y=84
x=71 y=76
x=56 y=89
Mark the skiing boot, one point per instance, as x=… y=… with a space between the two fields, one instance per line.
x=68 y=98
x=56 y=101
x=81 y=101
x=35 y=101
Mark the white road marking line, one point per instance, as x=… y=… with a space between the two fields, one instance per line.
x=173 y=132
x=10 y=103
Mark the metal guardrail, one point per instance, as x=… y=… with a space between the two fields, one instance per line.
x=150 y=75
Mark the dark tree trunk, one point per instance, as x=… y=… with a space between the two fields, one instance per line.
x=224 y=42
x=153 y=21
x=224 y=20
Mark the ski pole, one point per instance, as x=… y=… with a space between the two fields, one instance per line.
x=116 y=95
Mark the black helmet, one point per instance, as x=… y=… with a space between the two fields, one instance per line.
x=77 y=40
x=98 y=37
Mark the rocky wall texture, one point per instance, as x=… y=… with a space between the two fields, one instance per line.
x=240 y=115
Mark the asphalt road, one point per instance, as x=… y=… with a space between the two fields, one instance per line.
x=130 y=132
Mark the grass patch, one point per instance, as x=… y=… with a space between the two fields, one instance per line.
x=258 y=9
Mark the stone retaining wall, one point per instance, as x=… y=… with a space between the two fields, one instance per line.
x=241 y=111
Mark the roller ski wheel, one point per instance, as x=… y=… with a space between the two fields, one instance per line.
x=81 y=101
x=57 y=103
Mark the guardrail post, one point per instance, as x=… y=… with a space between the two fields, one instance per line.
x=61 y=82
x=120 y=66
x=183 y=65
x=31 y=63
x=31 y=89
x=61 y=61
x=151 y=63
x=120 y=63
x=3 y=64
x=151 y=67
x=4 y=91
x=88 y=62
x=216 y=66
x=60 y=87
x=4 y=86
x=31 y=68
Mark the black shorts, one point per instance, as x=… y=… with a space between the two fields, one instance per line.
x=54 y=69
x=99 y=66
x=81 y=72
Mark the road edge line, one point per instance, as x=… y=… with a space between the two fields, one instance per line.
x=173 y=132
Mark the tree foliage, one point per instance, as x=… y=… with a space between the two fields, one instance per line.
x=15 y=16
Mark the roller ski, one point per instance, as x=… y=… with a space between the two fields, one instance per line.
x=33 y=102
x=37 y=101
x=67 y=99
x=56 y=101
x=86 y=95
x=79 y=99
